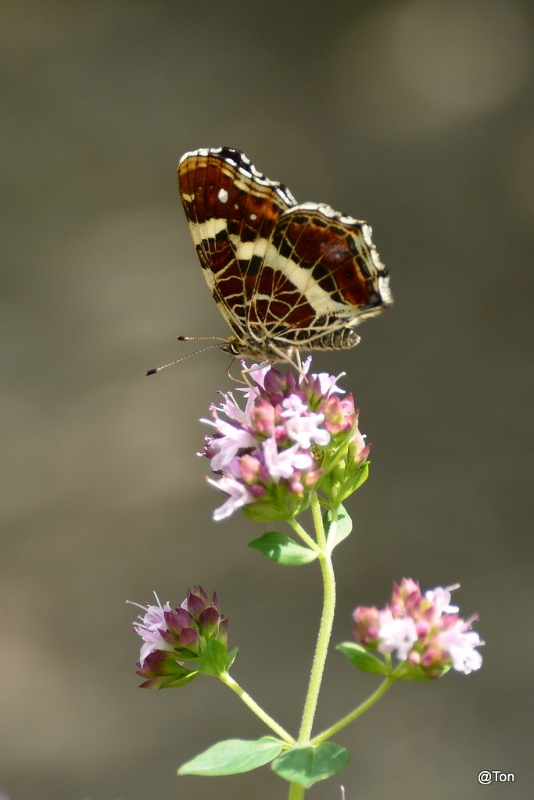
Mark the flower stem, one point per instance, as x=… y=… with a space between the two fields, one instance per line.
x=299 y=530
x=325 y=628
x=296 y=791
x=361 y=709
x=247 y=699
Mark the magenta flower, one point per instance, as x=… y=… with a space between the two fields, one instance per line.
x=423 y=630
x=291 y=434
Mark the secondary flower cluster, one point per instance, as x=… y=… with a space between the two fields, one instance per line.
x=171 y=637
x=274 y=451
x=423 y=630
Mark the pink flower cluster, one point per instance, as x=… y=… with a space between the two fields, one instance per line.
x=181 y=630
x=273 y=447
x=424 y=630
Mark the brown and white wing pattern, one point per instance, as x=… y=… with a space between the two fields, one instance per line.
x=321 y=273
x=230 y=207
x=282 y=274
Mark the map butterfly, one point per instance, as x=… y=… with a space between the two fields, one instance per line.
x=284 y=274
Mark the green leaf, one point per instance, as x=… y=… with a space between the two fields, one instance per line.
x=264 y=512
x=353 y=482
x=233 y=756
x=307 y=765
x=213 y=659
x=282 y=549
x=362 y=659
x=170 y=681
x=230 y=658
x=414 y=672
x=343 y=527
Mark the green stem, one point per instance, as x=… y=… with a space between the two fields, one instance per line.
x=296 y=791
x=325 y=628
x=361 y=709
x=299 y=530
x=318 y=520
x=247 y=699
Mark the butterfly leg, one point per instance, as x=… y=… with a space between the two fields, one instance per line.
x=236 y=380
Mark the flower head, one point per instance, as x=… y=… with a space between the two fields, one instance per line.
x=174 y=636
x=423 y=630
x=290 y=435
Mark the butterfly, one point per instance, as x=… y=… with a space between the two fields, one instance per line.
x=285 y=275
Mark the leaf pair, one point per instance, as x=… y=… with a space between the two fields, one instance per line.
x=304 y=765
x=284 y=550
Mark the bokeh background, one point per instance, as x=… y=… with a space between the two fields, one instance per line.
x=417 y=116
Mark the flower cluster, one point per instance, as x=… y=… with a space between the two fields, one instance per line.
x=425 y=631
x=292 y=432
x=171 y=637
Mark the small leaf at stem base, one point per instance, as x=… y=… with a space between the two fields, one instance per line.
x=342 y=529
x=358 y=477
x=307 y=765
x=233 y=756
x=213 y=660
x=362 y=659
x=282 y=549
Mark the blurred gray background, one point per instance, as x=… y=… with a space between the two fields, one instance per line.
x=417 y=116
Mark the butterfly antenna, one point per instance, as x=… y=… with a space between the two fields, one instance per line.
x=171 y=363
x=201 y=339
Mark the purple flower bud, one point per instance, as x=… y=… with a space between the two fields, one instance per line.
x=196 y=601
x=188 y=638
x=367 y=625
x=208 y=622
x=339 y=414
x=177 y=620
x=263 y=419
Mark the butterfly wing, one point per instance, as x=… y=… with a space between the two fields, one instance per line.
x=320 y=273
x=232 y=210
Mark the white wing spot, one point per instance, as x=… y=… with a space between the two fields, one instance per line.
x=253 y=216
x=223 y=195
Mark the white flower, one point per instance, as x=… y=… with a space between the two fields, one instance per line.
x=227 y=445
x=396 y=634
x=239 y=496
x=440 y=599
x=284 y=463
x=152 y=622
x=302 y=425
x=231 y=408
x=327 y=383
x=258 y=372
x=459 y=642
